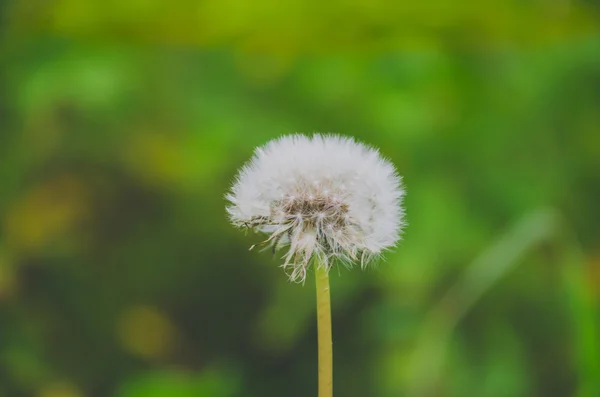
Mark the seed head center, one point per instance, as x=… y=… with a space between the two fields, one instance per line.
x=315 y=208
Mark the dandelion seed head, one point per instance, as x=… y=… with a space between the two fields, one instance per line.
x=321 y=196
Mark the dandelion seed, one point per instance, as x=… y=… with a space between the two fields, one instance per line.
x=324 y=196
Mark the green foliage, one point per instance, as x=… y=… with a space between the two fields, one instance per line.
x=211 y=383
x=123 y=123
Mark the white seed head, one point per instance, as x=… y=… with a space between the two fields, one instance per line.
x=321 y=196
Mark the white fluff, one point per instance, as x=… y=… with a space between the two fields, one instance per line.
x=323 y=196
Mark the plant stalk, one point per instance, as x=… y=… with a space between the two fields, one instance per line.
x=324 y=331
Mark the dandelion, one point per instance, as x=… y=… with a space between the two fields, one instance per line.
x=326 y=197
x=322 y=199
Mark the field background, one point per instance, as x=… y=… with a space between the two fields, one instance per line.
x=122 y=124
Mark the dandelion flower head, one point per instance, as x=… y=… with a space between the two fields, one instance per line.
x=322 y=197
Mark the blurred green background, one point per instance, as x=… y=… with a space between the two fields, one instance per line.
x=122 y=124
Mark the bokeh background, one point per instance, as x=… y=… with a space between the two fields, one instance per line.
x=122 y=124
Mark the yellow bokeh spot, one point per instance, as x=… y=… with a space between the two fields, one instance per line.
x=146 y=332
x=156 y=158
x=62 y=389
x=47 y=211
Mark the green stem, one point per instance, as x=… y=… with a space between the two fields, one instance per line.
x=324 y=331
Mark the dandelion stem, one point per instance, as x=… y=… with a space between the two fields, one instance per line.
x=324 y=331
